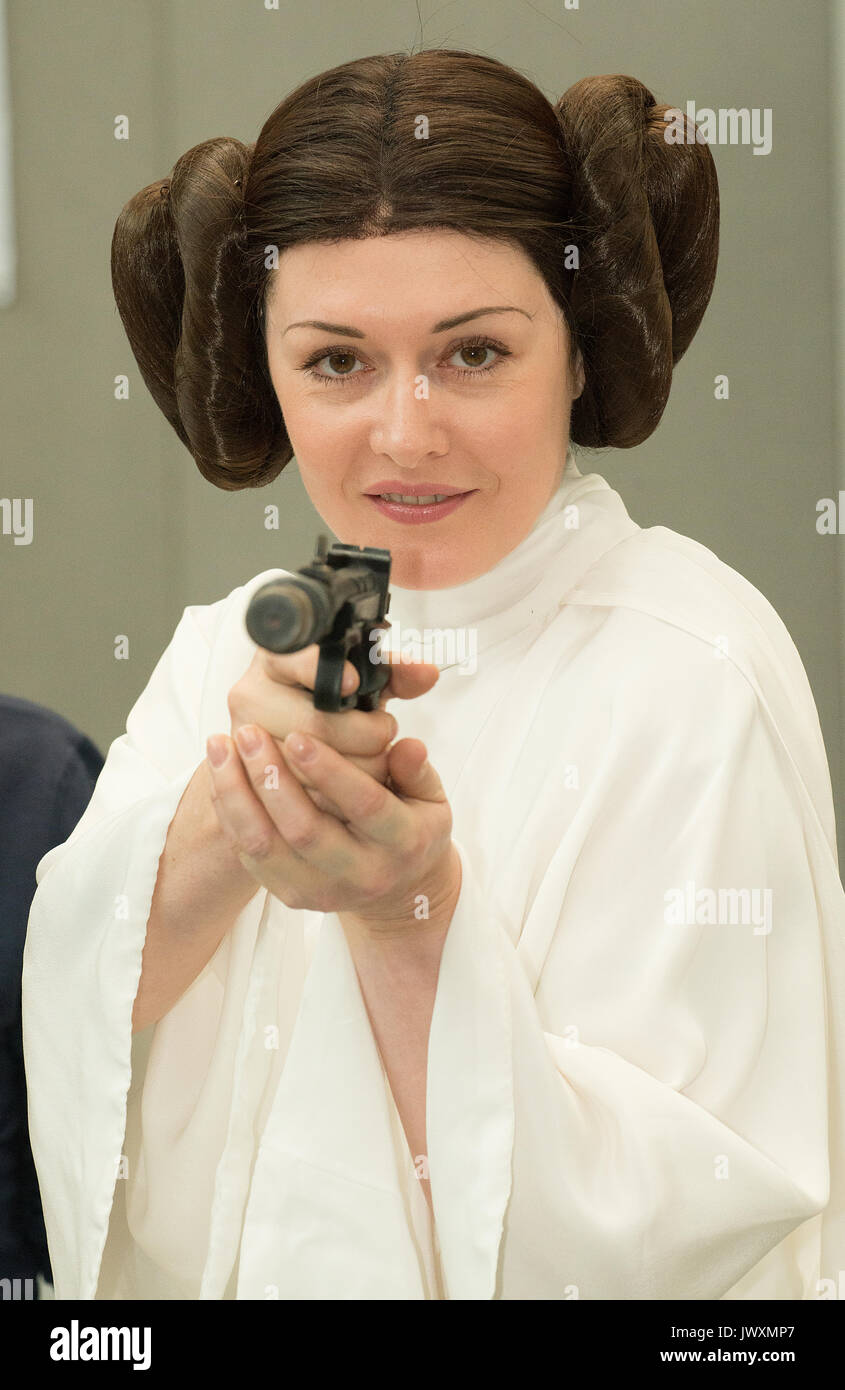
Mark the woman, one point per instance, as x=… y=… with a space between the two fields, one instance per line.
x=551 y=1012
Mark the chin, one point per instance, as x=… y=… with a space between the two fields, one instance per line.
x=423 y=576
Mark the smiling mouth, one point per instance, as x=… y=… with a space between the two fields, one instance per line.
x=427 y=508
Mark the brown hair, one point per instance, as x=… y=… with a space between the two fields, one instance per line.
x=338 y=158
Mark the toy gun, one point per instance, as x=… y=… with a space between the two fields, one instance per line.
x=337 y=600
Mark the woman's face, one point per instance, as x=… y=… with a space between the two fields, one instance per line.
x=402 y=399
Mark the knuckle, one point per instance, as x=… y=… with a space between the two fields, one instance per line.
x=272 y=664
x=304 y=836
x=372 y=800
x=417 y=848
x=363 y=733
x=292 y=670
x=257 y=845
x=375 y=767
x=257 y=777
x=234 y=699
x=380 y=882
x=389 y=726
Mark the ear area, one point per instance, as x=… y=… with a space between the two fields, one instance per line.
x=578 y=376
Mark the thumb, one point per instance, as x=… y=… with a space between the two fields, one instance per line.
x=408 y=679
x=411 y=774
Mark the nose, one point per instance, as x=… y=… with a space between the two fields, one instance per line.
x=406 y=422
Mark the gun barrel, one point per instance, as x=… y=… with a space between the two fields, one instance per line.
x=286 y=615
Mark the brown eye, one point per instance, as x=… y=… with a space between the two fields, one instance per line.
x=479 y=346
x=479 y=351
x=334 y=357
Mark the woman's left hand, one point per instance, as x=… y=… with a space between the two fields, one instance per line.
x=391 y=864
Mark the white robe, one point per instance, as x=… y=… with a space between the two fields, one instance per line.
x=620 y=1104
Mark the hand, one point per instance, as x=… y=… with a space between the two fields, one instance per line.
x=396 y=843
x=274 y=693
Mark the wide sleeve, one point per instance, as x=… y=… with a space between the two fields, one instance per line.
x=82 y=958
x=635 y=1093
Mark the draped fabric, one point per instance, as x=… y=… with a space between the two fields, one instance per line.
x=637 y=1051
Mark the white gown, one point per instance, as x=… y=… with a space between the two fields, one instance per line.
x=637 y=1051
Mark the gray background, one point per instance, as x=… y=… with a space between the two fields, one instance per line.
x=127 y=533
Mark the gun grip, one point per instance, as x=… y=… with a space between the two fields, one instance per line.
x=327 y=686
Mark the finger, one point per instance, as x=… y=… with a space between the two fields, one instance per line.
x=365 y=733
x=244 y=819
x=408 y=679
x=300 y=668
x=371 y=810
x=315 y=838
x=411 y=774
x=323 y=803
x=375 y=767
x=275 y=854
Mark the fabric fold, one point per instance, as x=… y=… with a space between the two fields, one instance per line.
x=83 y=1040
x=325 y=1218
x=469 y=1101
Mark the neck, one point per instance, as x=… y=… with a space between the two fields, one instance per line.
x=583 y=517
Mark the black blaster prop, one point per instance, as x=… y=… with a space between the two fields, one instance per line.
x=337 y=600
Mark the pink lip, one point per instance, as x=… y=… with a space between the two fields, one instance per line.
x=414 y=489
x=412 y=514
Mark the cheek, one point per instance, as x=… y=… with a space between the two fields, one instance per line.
x=322 y=454
x=302 y=427
x=504 y=423
x=317 y=428
x=305 y=422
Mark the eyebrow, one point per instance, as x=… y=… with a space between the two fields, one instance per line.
x=438 y=327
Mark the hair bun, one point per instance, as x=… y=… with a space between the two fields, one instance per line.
x=646 y=220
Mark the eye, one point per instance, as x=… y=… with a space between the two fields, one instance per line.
x=325 y=357
x=469 y=345
x=476 y=345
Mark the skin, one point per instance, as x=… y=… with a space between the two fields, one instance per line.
x=504 y=432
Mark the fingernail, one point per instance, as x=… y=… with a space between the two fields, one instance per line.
x=350 y=681
x=300 y=746
x=395 y=727
x=248 y=738
x=217 y=750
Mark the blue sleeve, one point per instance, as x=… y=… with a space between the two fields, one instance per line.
x=48 y=771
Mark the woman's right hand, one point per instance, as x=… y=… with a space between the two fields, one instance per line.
x=276 y=692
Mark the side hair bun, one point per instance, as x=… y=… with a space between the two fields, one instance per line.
x=198 y=346
x=646 y=214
